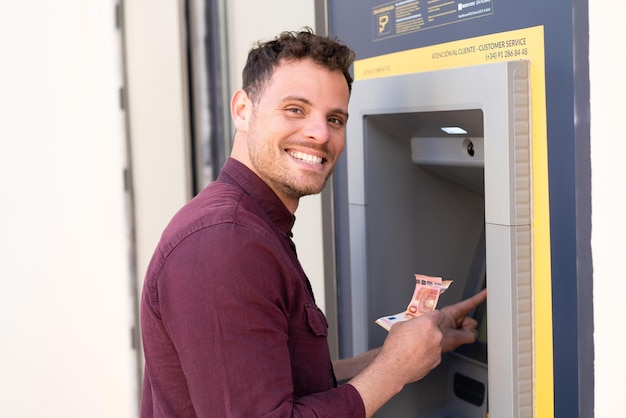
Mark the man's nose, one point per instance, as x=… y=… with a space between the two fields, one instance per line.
x=317 y=128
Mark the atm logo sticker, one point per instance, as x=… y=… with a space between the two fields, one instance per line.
x=383 y=25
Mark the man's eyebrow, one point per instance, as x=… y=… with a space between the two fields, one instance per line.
x=298 y=99
x=341 y=112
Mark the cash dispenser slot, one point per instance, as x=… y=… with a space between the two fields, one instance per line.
x=468 y=389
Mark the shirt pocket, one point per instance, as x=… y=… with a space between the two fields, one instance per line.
x=315 y=320
x=311 y=366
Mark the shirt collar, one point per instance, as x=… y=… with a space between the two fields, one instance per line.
x=261 y=193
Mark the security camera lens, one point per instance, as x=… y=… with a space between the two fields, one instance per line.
x=470 y=148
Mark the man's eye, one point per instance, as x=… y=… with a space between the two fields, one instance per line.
x=294 y=110
x=336 y=121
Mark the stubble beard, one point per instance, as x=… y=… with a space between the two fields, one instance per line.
x=278 y=177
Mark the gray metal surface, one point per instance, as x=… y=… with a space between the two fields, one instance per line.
x=426 y=212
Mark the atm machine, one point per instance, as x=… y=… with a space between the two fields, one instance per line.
x=436 y=180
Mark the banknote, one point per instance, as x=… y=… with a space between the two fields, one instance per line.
x=425 y=299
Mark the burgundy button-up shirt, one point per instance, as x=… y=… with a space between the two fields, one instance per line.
x=229 y=324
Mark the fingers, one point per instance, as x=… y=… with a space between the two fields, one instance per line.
x=439 y=317
x=428 y=322
x=457 y=313
x=466 y=335
x=455 y=337
x=466 y=305
x=469 y=323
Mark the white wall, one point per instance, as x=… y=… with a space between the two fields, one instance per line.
x=608 y=182
x=65 y=286
x=158 y=127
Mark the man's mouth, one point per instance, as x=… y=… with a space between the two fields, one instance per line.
x=311 y=159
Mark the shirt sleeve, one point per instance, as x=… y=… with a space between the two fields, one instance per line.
x=224 y=297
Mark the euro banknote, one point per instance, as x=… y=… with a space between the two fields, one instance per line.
x=425 y=299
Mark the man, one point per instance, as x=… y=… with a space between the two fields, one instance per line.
x=229 y=321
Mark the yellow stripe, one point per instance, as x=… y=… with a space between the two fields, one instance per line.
x=527 y=44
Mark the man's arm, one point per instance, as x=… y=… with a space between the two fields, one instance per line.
x=349 y=367
x=410 y=351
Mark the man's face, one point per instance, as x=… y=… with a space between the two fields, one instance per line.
x=297 y=129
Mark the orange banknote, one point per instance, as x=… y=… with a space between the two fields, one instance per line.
x=425 y=298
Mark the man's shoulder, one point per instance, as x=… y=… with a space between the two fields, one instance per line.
x=219 y=213
x=219 y=203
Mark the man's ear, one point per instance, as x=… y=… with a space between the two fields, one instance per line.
x=240 y=109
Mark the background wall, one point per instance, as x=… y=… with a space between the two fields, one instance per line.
x=608 y=224
x=158 y=128
x=66 y=293
x=66 y=307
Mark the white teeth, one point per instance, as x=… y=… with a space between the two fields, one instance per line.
x=306 y=157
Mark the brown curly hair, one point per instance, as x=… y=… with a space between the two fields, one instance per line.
x=265 y=56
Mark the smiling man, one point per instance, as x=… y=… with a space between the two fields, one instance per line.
x=229 y=321
x=292 y=131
